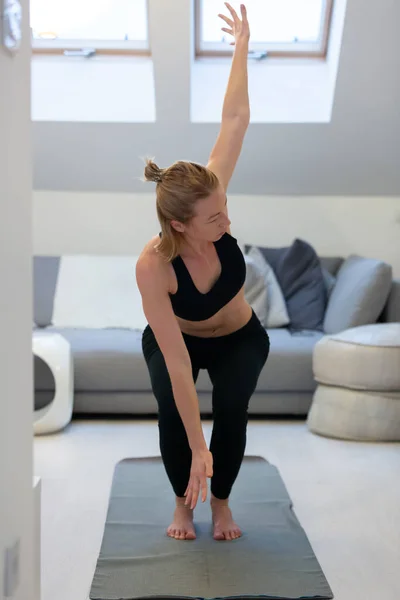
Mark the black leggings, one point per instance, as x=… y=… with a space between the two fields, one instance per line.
x=234 y=363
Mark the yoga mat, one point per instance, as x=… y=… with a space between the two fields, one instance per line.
x=273 y=558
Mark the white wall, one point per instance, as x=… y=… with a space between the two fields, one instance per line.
x=93 y=223
x=16 y=498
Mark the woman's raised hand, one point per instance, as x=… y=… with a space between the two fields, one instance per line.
x=238 y=28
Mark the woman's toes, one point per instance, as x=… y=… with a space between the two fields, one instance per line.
x=218 y=535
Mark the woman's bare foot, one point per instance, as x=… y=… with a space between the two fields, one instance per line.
x=182 y=527
x=225 y=527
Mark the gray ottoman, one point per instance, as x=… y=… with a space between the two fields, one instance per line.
x=358 y=396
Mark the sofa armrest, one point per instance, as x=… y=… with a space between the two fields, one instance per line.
x=391 y=312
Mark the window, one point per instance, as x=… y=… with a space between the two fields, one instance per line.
x=278 y=27
x=108 y=26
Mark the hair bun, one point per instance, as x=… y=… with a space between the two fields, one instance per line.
x=152 y=172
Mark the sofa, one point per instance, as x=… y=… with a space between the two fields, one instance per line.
x=111 y=378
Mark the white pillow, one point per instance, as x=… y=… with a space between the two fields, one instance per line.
x=98 y=292
x=255 y=289
x=277 y=314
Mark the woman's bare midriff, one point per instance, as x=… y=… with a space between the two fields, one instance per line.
x=232 y=317
x=235 y=315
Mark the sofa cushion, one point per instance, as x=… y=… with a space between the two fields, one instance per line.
x=359 y=295
x=106 y=359
x=112 y=361
x=299 y=274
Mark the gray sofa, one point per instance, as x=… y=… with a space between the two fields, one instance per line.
x=111 y=376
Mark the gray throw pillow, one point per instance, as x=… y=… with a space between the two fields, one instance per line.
x=299 y=274
x=360 y=293
x=329 y=279
x=331 y=263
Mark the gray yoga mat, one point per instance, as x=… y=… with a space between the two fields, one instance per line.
x=273 y=558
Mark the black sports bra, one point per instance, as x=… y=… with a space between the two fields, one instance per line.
x=190 y=304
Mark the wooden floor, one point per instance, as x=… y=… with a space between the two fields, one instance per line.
x=346 y=495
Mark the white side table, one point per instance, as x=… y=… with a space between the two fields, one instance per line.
x=55 y=351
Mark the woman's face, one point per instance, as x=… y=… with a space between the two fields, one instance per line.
x=211 y=219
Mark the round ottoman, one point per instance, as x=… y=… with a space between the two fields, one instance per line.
x=358 y=392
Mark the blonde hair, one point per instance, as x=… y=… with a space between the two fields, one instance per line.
x=178 y=189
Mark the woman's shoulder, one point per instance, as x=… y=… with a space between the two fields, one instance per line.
x=150 y=263
x=150 y=252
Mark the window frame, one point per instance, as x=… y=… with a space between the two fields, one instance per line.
x=307 y=51
x=107 y=47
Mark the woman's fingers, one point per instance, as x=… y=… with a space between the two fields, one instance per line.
x=188 y=496
x=204 y=489
x=196 y=488
x=201 y=489
x=210 y=466
x=227 y=21
x=202 y=468
x=232 y=11
x=190 y=492
x=237 y=26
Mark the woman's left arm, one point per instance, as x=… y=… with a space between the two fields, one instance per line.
x=236 y=107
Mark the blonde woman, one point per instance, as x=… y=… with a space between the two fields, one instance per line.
x=191 y=280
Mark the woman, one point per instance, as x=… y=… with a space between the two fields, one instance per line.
x=191 y=280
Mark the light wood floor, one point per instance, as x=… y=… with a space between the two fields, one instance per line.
x=346 y=495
